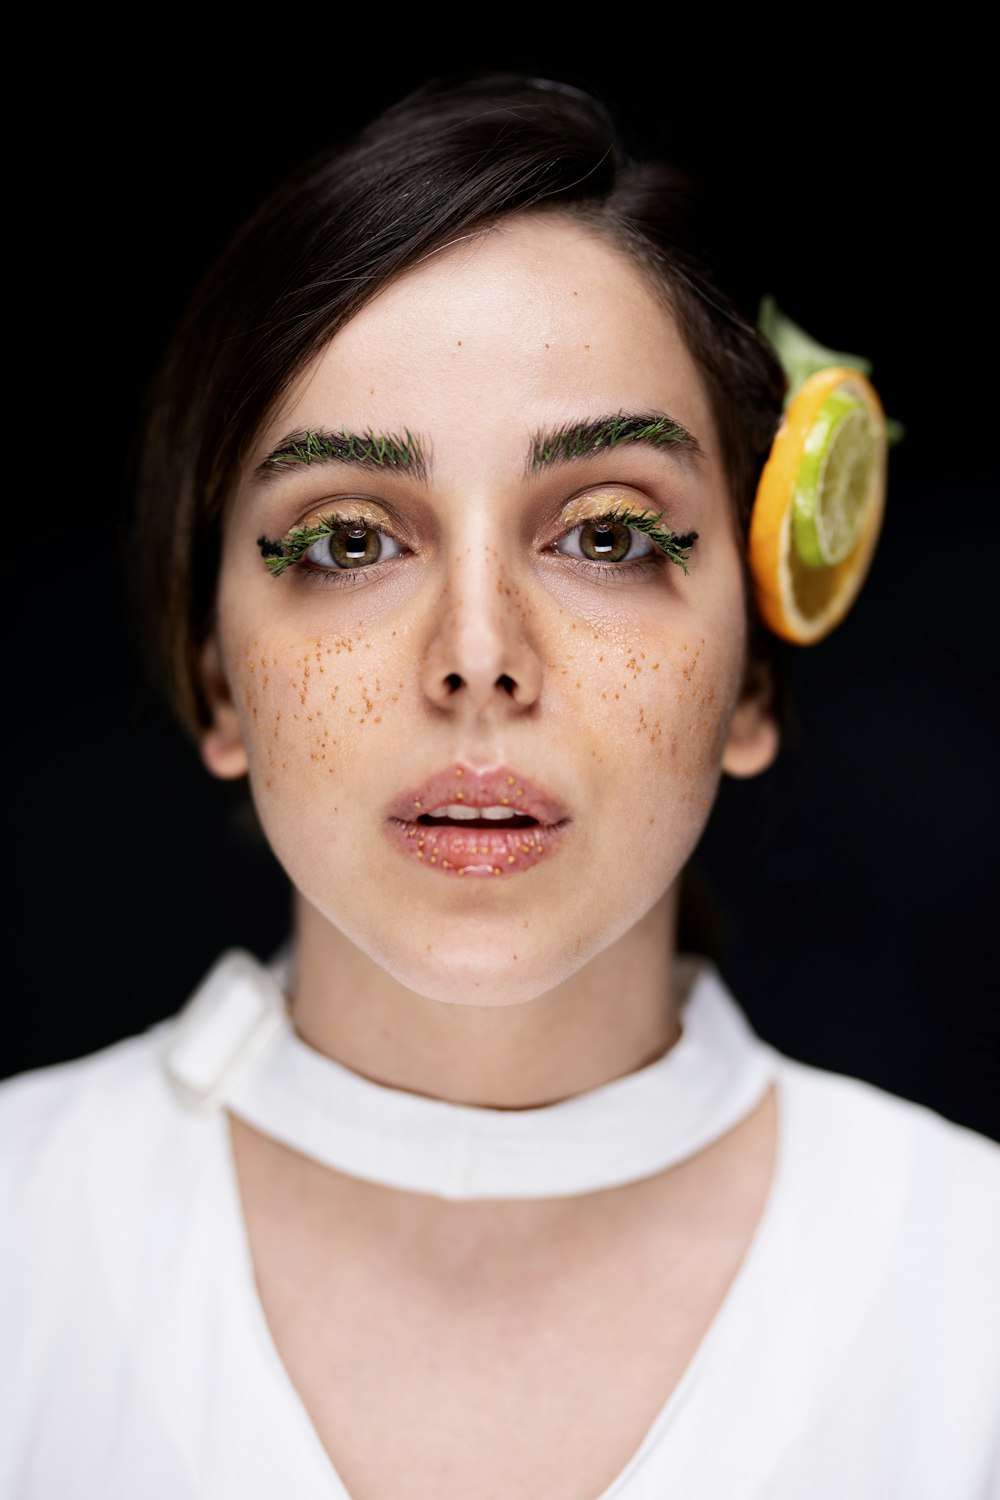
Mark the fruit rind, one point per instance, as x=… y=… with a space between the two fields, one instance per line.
x=799 y=603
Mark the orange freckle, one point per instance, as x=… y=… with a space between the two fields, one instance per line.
x=655 y=667
x=269 y=782
x=652 y=820
x=514 y=957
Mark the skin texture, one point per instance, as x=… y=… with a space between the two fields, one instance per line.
x=482 y=645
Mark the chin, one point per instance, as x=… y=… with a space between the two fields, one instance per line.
x=489 y=974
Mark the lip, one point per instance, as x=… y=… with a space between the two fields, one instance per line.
x=454 y=849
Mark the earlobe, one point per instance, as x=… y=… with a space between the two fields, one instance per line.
x=753 y=740
x=221 y=744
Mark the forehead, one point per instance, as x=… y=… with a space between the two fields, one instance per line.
x=535 y=322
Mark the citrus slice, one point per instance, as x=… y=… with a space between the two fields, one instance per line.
x=819 y=506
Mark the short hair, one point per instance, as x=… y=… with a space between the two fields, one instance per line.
x=450 y=159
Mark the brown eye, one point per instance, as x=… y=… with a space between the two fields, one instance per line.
x=350 y=546
x=607 y=541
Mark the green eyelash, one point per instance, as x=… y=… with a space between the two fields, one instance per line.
x=677 y=548
x=278 y=556
x=281 y=555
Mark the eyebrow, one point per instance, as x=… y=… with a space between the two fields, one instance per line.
x=590 y=438
x=579 y=440
x=364 y=450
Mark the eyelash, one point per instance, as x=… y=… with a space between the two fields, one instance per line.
x=293 y=550
x=665 y=545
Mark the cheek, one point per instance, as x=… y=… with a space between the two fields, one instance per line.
x=655 y=696
x=313 y=709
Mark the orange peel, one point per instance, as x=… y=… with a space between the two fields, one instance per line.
x=797 y=601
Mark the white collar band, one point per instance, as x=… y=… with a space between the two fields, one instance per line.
x=233 y=1046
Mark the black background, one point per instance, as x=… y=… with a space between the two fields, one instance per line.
x=853 y=880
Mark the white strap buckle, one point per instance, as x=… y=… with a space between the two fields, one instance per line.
x=228 y=1023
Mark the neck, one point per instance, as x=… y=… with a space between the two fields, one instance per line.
x=614 y=1015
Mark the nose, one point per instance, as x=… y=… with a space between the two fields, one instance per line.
x=480 y=655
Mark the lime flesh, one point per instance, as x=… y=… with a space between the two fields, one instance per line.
x=837 y=481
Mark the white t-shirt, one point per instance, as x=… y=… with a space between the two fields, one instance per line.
x=856 y=1355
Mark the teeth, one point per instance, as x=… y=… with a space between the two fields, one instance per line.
x=460 y=814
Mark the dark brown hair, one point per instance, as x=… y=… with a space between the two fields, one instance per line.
x=448 y=160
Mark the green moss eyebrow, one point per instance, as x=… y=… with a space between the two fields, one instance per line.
x=368 y=450
x=585 y=439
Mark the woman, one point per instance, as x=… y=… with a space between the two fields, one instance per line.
x=444 y=514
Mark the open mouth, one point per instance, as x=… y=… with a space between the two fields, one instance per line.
x=455 y=815
x=477 y=823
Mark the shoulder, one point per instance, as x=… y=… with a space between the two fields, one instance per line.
x=121 y=1104
x=53 y=1118
x=855 y=1129
x=900 y=1205
x=113 y=1201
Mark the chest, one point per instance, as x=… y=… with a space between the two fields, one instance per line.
x=481 y=1351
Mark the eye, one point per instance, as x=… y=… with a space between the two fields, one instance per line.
x=352 y=545
x=605 y=540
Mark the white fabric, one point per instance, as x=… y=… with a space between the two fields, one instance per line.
x=856 y=1354
x=234 y=1044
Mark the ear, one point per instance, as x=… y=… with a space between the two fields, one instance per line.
x=222 y=747
x=753 y=740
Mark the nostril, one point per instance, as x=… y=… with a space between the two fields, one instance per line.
x=507 y=683
x=453 y=682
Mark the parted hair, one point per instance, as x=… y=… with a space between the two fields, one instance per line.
x=450 y=159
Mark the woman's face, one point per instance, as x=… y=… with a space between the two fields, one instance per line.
x=481 y=641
